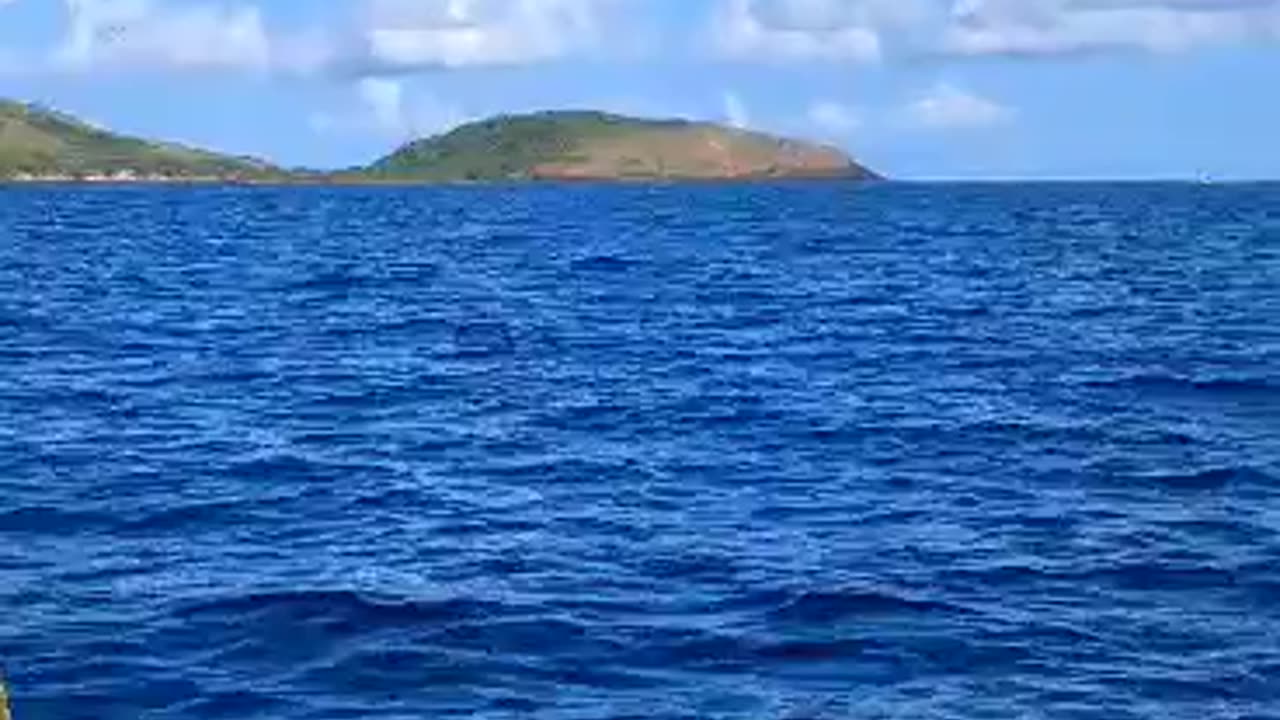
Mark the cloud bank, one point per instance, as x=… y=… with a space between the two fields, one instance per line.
x=407 y=35
x=141 y=33
x=370 y=37
x=388 y=37
x=864 y=30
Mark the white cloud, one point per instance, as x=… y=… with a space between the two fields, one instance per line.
x=789 y=30
x=867 y=30
x=374 y=37
x=833 y=118
x=947 y=107
x=1038 y=27
x=735 y=111
x=386 y=37
x=149 y=34
x=405 y=35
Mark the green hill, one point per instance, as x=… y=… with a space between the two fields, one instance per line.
x=40 y=143
x=585 y=145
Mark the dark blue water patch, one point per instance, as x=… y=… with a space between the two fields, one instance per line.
x=41 y=519
x=1211 y=479
x=336 y=611
x=775 y=451
x=602 y=264
x=194 y=518
x=826 y=607
x=1236 y=389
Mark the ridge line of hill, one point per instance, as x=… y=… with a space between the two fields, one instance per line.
x=42 y=145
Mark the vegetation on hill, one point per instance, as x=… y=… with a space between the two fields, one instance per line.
x=594 y=145
x=41 y=144
x=36 y=142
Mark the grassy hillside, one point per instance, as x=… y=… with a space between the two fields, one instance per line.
x=36 y=143
x=39 y=142
x=593 y=145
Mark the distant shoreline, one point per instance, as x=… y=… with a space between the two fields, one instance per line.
x=411 y=182
x=43 y=146
x=8 y=183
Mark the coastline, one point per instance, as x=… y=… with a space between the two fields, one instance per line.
x=356 y=181
x=590 y=147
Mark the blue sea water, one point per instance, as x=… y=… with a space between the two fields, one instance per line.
x=767 y=451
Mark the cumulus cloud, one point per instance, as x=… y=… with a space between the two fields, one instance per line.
x=378 y=37
x=387 y=37
x=864 y=30
x=789 y=30
x=143 y=33
x=406 y=35
x=1037 y=27
x=947 y=107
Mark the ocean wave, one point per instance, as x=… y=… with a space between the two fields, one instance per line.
x=602 y=263
x=50 y=519
x=1259 y=388
x=814 y=607
x=340 y=611
x=788 y=450
x=1216 y=478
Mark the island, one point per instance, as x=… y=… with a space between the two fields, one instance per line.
x=42 y=145
x=597 y=146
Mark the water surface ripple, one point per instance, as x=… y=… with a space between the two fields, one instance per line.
x=792 y=451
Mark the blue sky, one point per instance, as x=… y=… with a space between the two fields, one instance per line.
x=914 y=88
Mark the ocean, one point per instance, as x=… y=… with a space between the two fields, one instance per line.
x=802 y=451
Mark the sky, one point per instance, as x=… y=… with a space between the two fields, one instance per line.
x=919 y=89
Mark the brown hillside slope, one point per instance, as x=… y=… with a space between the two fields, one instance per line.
x=586 y=145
